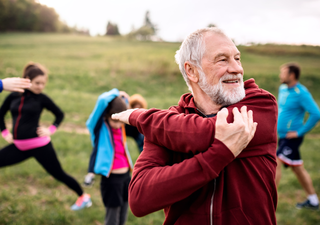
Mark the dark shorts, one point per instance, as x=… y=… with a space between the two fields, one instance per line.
x=288 y=151
x=114 y=189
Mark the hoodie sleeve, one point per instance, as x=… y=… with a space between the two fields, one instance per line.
x=178 y=131
x=153 y=172
x=193 y=133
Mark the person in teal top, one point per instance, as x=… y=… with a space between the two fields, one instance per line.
x=294 y=101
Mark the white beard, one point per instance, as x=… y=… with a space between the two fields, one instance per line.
x=217 y=92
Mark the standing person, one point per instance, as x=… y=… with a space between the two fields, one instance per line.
x=219 y=169
x=16 y=84
x=294 y=101
x=136 y=101
x=28 y=139
x=110 y=156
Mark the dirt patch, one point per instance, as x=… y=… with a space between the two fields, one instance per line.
x=72 y=128
x=66 y=127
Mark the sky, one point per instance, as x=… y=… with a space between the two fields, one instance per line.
x=246 y=21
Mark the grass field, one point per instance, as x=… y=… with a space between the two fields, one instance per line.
x=81 y=68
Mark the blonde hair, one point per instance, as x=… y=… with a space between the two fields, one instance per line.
x=137 y=99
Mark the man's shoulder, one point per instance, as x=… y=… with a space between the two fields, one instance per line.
x=177 y=108
x=283 y=87
x=254 y=92
x=302 y=89
x=186 y=101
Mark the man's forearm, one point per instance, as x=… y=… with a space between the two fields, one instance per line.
x=176 y=131
x=156 y=185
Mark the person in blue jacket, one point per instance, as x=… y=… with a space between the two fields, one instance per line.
x=294 y=101
x=110 y=157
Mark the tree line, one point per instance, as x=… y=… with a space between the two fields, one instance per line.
x=31 y=16
x=28 y=15
x=146 y=32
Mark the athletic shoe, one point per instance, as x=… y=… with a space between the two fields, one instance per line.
x=84 y=201
x=306 y=204
x=88 y=180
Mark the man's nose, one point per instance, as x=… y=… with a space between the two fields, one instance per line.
x=235 y=67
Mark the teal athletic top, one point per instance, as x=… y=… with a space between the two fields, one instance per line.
x=293 y=103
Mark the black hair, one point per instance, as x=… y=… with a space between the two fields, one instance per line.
x=115 y=106
x=293 y=68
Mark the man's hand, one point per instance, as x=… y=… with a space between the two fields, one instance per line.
x=292 y=134
x=237 y=135
x=123 y=116
x=15 y=84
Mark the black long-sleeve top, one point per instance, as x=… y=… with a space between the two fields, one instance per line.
x=25 y=110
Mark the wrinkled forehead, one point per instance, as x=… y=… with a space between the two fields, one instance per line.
x=216 y=43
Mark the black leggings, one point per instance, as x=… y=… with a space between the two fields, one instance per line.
x=46 y=156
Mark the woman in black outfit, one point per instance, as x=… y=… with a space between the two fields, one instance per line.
x=28 y=139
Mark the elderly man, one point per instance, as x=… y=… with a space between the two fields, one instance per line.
x=197 y=166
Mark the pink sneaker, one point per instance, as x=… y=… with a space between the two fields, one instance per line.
x=84 y=201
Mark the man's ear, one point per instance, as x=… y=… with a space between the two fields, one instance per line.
x=292 y=76
x=192 y=72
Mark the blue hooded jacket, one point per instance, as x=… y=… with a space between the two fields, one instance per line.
x=102 y=156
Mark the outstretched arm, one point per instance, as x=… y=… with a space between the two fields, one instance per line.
x=155 y=171
x=166 y=121
x=15 y=84
x=193 y=133
x=171 y=129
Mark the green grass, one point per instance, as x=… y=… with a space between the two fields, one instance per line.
x=81 y=68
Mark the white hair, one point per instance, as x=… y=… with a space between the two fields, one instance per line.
x=192 y=50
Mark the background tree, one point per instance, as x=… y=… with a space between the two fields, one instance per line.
x=29 y=15
x=149 y=24
x=146 y=32
x=112 y=29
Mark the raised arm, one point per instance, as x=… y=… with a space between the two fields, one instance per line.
x=193 y=133
x=155 y=169
x=14 y=84
x=173 y=130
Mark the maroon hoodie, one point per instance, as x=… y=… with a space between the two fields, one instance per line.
x=194 y=177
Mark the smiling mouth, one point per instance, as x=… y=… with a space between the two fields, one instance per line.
x=230 y=81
